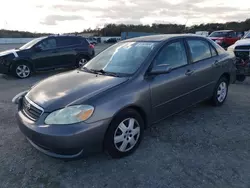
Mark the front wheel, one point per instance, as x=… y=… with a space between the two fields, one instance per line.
x=22 y=70
x=124 y=134
x=220 y=92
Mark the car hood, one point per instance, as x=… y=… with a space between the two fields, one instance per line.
x=70 y=88
x=7 y=52
x=243 y=42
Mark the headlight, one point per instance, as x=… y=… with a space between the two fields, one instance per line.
x=70 y=115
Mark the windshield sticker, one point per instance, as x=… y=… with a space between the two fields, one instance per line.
x=144 y=44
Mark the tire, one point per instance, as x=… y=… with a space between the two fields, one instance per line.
x=81 y=60
x=129 y=139
x=22 y=70
x=222 y=88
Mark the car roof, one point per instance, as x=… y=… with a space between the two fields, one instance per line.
x=159 y=38
x=65 y=36
x=223 y=31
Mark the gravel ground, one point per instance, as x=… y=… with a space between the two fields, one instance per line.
x=201 y=147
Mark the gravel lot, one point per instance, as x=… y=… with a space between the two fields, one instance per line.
x=201 y=147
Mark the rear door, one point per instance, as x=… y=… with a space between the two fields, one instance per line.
x=206 y=66
x=47 y=57
x=170 y=92
x=67 y=50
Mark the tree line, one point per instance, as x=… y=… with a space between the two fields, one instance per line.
x=116 y=29
x=20 y=34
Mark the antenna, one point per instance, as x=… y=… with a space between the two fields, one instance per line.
x=187 y=19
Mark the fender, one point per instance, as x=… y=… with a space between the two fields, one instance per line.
x=21 y=59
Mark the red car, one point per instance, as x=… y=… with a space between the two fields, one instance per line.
x=224 y=38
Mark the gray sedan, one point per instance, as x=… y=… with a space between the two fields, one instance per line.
x=109 y=102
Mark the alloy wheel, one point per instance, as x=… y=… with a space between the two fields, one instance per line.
x=22 y=71
x=127 y=135
x=222 y=92
x=82 y=62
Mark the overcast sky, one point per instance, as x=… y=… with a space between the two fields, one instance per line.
x=60 y=16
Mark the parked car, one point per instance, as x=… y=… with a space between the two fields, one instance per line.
x=111 y=40
x=46 y=53
x=107 y=104
x=241 y=49
x=92 y=41
x=224 y=38
x=202 y=33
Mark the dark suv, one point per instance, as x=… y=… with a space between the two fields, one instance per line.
x=46 y=53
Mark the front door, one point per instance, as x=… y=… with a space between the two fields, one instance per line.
x=171 y=92
x=47 y=56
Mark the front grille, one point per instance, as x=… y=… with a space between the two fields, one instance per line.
x=242 y=52
x=31 y=110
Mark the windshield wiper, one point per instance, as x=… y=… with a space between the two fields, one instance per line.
x=101 y=71
x=104 y=72
x=88 y=70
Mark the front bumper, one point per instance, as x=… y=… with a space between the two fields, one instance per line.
x=63 y=141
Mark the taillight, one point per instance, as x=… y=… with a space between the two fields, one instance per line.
x=91 y=46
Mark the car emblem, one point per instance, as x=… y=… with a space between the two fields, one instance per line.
x=28 y=106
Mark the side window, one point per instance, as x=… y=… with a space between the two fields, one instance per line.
x=173 y=55
x=232 y=34
x=199 y=50
x=76 y=41
x=213 y=51
x=48 y=44
x=68 y=41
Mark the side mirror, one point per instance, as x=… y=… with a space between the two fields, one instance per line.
x=37 y=49
x=161 y=69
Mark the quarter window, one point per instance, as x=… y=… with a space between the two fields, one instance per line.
x=173 y=55
x=48 y=44
x=200 y=50
x=68 y=41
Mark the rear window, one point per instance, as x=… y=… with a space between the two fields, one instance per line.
x=84 y=41
x=68 y=41
x=219 y=34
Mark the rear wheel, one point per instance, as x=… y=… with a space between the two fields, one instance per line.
x=81 y=61
x=124 y=134
x=21 y=70
x=220 y=92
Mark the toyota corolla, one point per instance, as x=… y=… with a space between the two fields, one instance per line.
x=107 y=104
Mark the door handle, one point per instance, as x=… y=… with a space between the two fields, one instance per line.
x=189 y=72
x=54 y=52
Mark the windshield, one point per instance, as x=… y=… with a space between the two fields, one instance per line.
x=121 y=58
x=218 y=34
x=30 y=44
x=247 y=36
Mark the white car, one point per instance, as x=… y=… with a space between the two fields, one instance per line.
x=241 y=49
x=203 y=33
